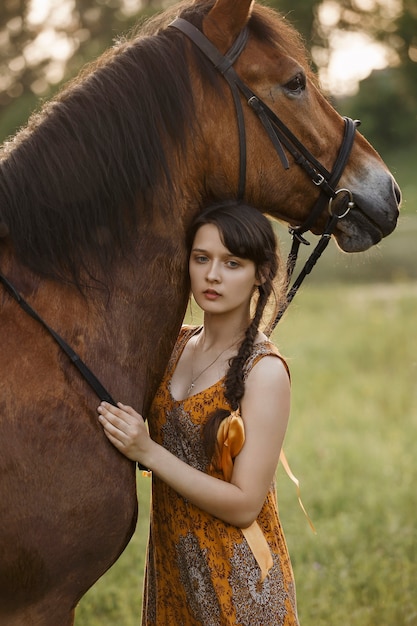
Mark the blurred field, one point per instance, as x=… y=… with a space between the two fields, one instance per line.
x=351 y=441
x=351 y=341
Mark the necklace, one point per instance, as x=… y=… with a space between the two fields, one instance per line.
x=193 y=380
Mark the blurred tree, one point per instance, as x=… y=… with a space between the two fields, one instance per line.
x=14 y=73
x=302 y=16
x=39 y=50
x=387 y=107
x=35 y=45
x=387 y=100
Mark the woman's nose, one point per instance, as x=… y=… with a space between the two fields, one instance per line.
x=213 y=274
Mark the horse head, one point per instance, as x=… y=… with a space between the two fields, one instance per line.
x=273 y=66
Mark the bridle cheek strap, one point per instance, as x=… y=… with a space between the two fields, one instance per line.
x=279 y=134
x=223 y=64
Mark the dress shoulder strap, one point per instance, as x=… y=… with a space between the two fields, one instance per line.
x=184 y=336
x=264 y=348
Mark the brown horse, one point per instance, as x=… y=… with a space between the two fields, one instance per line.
x=95 y=197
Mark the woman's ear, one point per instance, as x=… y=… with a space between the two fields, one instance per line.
x=262 y=275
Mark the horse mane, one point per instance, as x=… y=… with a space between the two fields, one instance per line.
x=83 y=173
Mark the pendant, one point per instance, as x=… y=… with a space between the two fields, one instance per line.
x=190 y=388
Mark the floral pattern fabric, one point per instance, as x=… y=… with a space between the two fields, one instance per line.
x=200 y=570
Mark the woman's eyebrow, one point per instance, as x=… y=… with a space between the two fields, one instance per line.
x=226 y=255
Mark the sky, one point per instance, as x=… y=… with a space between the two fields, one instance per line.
x=353 y=55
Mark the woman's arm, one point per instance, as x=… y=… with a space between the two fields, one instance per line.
x=265 y=410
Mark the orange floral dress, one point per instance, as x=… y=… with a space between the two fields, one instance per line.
x=200 y=570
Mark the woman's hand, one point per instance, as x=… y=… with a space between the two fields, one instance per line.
x=126 y=430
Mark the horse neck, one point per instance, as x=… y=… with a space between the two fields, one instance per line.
x=124 y=328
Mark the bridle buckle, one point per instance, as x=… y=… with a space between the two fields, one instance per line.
x=319 y=180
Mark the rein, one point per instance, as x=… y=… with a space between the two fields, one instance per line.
x=86 y=373
x=280 y=135
x=84 y=370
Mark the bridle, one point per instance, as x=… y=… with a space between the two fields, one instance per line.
x=281 y=136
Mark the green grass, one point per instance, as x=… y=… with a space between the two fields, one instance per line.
x=351 y=442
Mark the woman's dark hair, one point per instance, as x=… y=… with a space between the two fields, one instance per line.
x=248 y=234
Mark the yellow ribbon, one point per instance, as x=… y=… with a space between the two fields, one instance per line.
x=259 y=547
x=230 y=439
x=295 y=480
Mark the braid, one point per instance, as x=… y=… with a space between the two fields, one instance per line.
x=234 y=383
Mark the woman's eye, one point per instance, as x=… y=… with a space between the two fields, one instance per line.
x=200 y=259
x=232 y=264
x=296 y=85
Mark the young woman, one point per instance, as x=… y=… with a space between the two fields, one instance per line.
x=217 y=554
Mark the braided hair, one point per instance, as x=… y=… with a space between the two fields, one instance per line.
x=248 y=234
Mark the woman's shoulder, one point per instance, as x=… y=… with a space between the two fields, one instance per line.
x=262 y=348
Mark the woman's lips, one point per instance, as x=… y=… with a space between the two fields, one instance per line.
x=210 y=294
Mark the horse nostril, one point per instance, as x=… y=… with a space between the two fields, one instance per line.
x=397 y=192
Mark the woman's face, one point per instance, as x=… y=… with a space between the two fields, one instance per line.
x=221 y=282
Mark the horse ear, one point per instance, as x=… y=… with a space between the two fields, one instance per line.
x=225 y=21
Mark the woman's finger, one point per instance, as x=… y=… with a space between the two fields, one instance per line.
x=107 y=408
x=112 y=429
x=118 y=417
x=114 y=440
x=128 y=426
x=122 y=411
x=128 y=409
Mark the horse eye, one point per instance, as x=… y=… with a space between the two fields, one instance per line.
x=296 y=85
